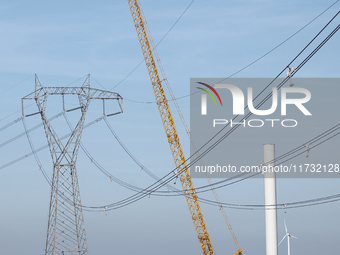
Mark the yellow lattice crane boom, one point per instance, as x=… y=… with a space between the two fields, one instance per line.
x=150 y=53
x=183 y=173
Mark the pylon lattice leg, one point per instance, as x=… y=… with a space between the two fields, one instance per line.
x=66 y=231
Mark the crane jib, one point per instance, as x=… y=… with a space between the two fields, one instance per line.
x=148 y=50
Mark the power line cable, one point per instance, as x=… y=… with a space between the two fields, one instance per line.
x=334 y=31
x=15 y=112
x=245 y=67
x=28 y=131
x=10 y=124
x=16 y=84
x=210 y=202
x=299 y=204
x=134 y=69
x=256 y=60
x=282 y=206
x=263 y=101
x=134 y=198
x=35 y=154
x=32 y=103
x=102 y=169
x=139 y=196
x=299 y=148
x=213 y=202
x=46 y=146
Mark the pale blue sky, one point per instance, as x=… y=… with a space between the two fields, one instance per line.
x=64 y=41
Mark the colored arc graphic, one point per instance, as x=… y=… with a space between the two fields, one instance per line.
x=213 y=90
x=208 y=92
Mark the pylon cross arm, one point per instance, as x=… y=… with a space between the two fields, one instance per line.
x=81 y=91
x=86 y=93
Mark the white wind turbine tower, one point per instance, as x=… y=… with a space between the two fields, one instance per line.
x=288 y=235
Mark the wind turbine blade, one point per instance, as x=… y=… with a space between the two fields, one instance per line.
x=294 y=237
x=282 y=239
x=285 y=226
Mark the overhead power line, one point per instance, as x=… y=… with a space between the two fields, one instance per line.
x=28 y=131
x=167 y=178
x=300 y=150
x=10 y=124
x=238 y=206
x=15 y=112
x=243 y=68
x=170 y=176
x=177 y=192
x=134 y=69
x=32 y=103
x=11 y=87
x=35 y=154
x=45 y=146
x=334 y=31
x=267 y=97
x=210 y=202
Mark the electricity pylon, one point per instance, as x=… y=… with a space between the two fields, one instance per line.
x=66 y=231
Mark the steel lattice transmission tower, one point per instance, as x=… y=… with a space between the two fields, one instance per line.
x=66 y=231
